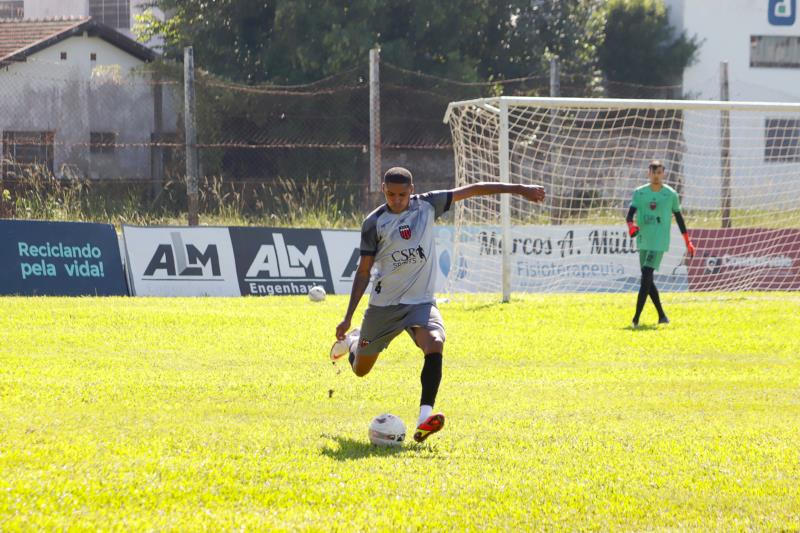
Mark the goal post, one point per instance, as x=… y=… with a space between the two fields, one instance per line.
x=735 y=166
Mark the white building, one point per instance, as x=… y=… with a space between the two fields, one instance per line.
x=760 y=41
x=117 y=14
x=74 y=98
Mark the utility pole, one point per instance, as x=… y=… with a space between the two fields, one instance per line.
x=374 y=184
x=191 y=135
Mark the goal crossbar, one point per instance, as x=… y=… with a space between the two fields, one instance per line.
x=493 y=104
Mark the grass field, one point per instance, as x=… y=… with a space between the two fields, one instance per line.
x=223 y=414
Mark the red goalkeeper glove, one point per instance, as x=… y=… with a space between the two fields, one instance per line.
x=633 y=229
x=689 y=245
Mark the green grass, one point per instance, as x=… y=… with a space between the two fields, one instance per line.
x=222 y=414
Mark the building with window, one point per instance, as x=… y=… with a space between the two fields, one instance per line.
x=760 y=40
x=117 y=14
x=76 y=99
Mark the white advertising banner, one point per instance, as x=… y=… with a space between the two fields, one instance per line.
x=343 y=251
x=343 y=256
x=180 y=261
x=562 y=259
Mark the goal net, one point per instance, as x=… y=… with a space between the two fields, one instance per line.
x=735 y=166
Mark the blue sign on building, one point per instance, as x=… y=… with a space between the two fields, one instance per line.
x=782 y=12
x=60 y=259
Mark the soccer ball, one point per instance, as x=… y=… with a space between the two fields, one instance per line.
x=387 y=430
x=316 y=294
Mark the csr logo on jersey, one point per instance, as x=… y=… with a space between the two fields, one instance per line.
x=408 y=256
x=782 y=12
x=276 y=261
x=193 y=261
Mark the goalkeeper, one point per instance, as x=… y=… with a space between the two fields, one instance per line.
x=653 y=206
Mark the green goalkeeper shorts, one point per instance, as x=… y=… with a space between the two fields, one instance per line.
x=649 y=258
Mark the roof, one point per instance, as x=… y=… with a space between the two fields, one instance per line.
x=21 y=38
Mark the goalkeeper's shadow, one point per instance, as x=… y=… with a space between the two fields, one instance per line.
x=641 y=328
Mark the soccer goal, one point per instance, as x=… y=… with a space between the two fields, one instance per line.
x=735 y=165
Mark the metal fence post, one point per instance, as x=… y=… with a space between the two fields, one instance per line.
x=191 y=135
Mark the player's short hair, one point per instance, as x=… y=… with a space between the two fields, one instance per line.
x=398 y=175
x=655 y=163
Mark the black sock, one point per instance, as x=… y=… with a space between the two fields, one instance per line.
x=644 y=290
x=351 y=358
x=656 y=300
x=430 y=378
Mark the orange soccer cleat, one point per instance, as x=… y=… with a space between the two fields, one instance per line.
x=431 y=425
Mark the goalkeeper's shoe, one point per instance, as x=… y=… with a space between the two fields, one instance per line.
x=663 y=320
x=431 y=425
x=345 y=346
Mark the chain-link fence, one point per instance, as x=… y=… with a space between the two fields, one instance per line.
x=108 y=143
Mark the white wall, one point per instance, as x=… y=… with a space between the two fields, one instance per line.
x=77 y=96
x=725 y=27
x=38 y=9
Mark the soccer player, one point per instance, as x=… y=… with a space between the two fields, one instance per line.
x=654 y=204
x=397 y=243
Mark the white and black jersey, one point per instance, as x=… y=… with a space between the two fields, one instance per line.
x=403 y=247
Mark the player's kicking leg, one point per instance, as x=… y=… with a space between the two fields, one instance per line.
x=345 y=346
x=360 y=362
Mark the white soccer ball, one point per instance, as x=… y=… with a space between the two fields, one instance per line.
x=316 y=294
x=387 y=430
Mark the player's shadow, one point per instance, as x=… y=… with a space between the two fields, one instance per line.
x=350 y=449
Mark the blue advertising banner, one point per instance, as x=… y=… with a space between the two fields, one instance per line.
x=280 y=261
x=60 y=259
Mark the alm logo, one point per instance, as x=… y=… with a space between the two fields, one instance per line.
x=782 y=12
x=286 y=261
x=179 y=260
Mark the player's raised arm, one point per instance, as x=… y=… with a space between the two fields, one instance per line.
x=534 y=193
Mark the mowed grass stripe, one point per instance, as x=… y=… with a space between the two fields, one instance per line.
x=147 y=413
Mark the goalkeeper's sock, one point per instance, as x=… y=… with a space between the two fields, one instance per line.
x=657 y=301
x=430 y=378
x=644 y=291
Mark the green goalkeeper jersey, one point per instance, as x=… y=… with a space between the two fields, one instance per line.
x=654 y=216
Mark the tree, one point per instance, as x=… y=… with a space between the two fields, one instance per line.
x=230 y=36
x=291 y=42
x=641 y=47
x=570 y=30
